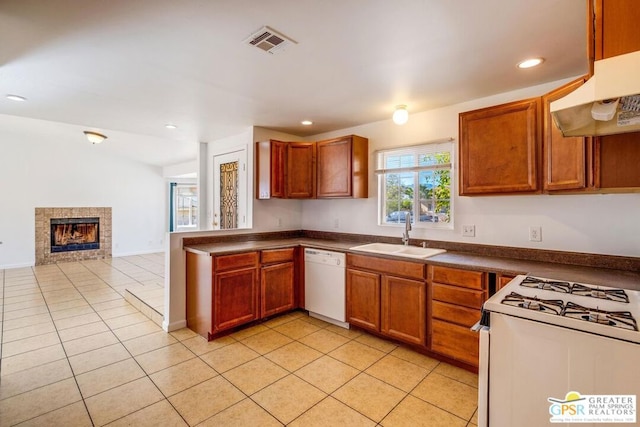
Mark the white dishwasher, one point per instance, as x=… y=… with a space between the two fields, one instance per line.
x=324 y=285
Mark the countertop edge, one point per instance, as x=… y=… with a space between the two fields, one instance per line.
x=462 y=260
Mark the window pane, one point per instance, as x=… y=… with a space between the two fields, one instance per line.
x=425 y=194
x=399 y=190
x=186 y=209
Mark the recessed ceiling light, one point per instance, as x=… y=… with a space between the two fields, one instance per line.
x=171 y=126
x=16 y=98
x=531 y=62
x=307 y=122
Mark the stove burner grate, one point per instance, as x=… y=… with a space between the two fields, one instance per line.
x=618 y=319
x=549 y=285
x=618 y=295
x=554 y=306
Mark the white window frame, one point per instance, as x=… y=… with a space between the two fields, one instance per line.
x=191 y=226
x=421 y=149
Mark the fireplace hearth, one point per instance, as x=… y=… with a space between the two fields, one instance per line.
x=75 y=234
x=72 y=234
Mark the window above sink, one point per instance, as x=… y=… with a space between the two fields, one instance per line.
x=418 y=180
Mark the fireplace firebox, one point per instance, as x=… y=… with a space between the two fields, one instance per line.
x=75 y=234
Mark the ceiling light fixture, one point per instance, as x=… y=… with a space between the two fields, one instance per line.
x=400 y=115
x=306 y=122
x=16 y=98
x=94 y=137
x=531 y=62
x=171 y=126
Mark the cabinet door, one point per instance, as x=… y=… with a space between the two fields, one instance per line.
x=278 y=167
x=500 y=149
x=617 y=159
x=300 y=176
x=363 y=299
x=404 y=309
x=334 y=168
x=235 y=298
x=617 y=30
x=276 y=289
x=565 y=159
x=343 y=167
x=503 y=279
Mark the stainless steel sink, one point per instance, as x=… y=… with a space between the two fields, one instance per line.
x=398 y=250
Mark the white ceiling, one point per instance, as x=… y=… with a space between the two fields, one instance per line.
x=130 y=66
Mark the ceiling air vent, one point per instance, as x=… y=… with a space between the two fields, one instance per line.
x=269 y=40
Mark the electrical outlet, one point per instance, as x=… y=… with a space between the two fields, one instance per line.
x=336 y=223
x=535 y=233
x=279 y=222
x=469 y=231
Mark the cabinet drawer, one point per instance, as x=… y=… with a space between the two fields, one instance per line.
x=276 y=255
x=454 y=276
x=411 y=270
x=233 y=262
x=462 y=316
x=455 y=341
x=458 y=296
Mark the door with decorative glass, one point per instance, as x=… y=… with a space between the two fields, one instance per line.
x=229 y=190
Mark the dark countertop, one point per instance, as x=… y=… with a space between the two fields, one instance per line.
x=590 y=275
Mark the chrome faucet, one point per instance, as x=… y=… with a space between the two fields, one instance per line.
x=407 y=228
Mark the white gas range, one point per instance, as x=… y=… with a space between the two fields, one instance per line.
x=544 y=338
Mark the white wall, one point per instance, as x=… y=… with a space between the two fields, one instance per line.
x=47 y=164
x=604 y=224
x=269 y=215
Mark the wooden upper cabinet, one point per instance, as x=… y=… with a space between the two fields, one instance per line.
x=289 y=172
x=617 y=29
x=500 y=149
x=300 y=174
x=567 y=161
x=278 y=167
x=342 y=167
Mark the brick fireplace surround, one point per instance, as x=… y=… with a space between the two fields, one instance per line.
x=43 y=234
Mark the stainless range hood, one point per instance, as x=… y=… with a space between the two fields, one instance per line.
x=608 y=103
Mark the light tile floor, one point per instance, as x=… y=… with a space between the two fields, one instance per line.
x=74 y=352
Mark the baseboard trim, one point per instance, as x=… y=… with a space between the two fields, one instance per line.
x=174 y=326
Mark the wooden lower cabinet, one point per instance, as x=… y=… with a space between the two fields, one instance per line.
x=455 y=341
x=503 y=279
x=277 y=288
x=382 y=302
x=228 y=291
x=456 y=298
x=235 y=298
x=404 y=309
x=363 y=299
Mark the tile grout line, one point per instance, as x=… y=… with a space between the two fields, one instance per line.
x=128 y=352
x=261 y=355
x=64 y=350
x=80 y=293
x=121 y=342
